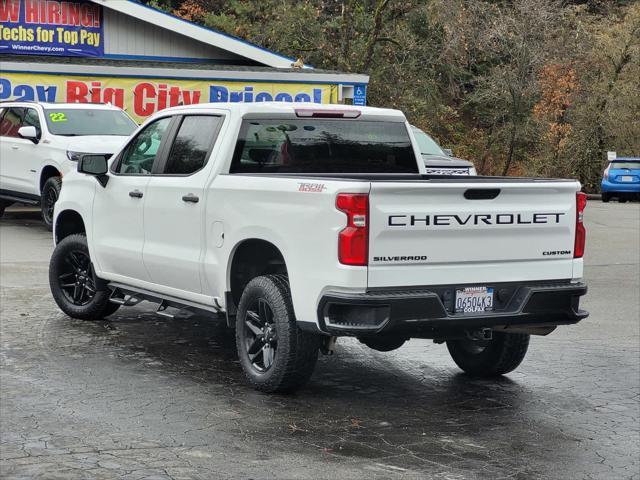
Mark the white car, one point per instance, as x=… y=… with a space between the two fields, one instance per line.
x=301 y=223
x=41 y=142
x=439 y=161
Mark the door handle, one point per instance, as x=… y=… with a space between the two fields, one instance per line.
x=481 y=193
x=14 y=147
x=135 y=194
x=190 y=198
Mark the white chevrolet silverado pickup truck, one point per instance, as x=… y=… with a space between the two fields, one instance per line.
x=300 y=224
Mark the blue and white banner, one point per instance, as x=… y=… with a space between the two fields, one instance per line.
x=51 y=27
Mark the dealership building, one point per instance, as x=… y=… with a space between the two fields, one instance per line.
x=144 y=60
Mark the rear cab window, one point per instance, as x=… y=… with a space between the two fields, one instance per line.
x=320 y=146
x=620 y=165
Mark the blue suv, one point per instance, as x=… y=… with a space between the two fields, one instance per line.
x=621 y=179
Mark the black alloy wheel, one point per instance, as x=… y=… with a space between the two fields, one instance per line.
x=275 y=354
x=261 y=337
x=77 y=279
x=74 y=284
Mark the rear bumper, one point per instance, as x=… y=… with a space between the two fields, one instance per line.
x=610 y=187
x=429 y=311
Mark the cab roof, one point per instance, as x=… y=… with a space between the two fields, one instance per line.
x=625 y=159
x=242 y=109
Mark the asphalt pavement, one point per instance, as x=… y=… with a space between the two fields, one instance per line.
x=140 y=396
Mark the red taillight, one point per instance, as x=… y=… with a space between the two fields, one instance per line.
x=581 y=233
x=353 y=240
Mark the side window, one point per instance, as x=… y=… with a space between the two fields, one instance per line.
x=192 y=143
x=140 y=154
x=31 y=119
x=11 y=122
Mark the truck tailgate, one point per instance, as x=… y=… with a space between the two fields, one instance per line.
x=468 y=231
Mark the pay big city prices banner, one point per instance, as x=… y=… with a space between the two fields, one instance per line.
x=144 y=97
x=51 y=27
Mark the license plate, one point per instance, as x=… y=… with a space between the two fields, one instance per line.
x=627 y=178
x=474 y=299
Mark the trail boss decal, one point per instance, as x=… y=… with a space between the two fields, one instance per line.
x=311 y=187
x=473 y=219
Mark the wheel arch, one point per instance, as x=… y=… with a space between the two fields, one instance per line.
x=67 y=223
x=47 y=172
x=251 y=258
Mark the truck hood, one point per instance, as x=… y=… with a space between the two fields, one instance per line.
x=96 y=143
x=444 y=161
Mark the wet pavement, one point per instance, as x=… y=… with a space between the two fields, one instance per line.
x=144 y=397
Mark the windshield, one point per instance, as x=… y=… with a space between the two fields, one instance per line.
x=632 y=165
x=427 y=145
x=89 y=121
x=323 y=146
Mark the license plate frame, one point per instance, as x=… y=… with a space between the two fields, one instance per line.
x=474 y=300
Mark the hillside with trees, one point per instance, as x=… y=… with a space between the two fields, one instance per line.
x=521 y=87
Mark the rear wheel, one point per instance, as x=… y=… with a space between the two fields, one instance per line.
x=275 y=354
x=490 y=358
x=73 y=282
x=606 y=197
x=622 y=199
x=48 y=199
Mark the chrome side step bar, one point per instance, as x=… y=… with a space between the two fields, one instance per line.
x=128 y=296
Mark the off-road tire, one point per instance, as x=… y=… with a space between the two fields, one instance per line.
x=99 y=305
x=50 y=193
x=296 y=352
x=606 y=197
x=502 y=354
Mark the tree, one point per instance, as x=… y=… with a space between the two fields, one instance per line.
x=520 y=87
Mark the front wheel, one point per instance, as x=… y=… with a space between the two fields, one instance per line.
x=276 y=356
x=73 y=282
x=48 y=199
x=490 y=358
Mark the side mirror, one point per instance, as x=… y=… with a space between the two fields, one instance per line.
x=448 y=151
x=30 y=133
x=95 y=165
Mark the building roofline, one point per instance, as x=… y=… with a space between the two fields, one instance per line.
x=199 y=33
x=86 y=67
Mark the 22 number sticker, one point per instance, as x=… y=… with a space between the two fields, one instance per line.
x=58 y=117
